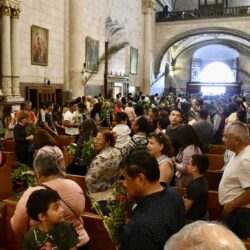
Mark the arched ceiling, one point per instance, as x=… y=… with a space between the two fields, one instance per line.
x=202 y=37
x=216 y=52
x=237 y=43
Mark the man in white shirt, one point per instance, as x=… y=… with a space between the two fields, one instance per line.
x=234 y=188
x=70 y=120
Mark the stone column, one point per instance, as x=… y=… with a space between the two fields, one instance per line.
x=6 y=53
x=148 y=11
x=76 y=47
x=15 y=52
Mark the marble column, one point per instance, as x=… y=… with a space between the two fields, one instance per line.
x=148 y=11
x=14 y=52
x=6 y=52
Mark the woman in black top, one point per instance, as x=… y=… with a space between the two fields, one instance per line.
x=24 y=152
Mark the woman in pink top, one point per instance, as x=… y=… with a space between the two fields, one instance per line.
x=190 y=143
x=45 y=142
x=47 y=173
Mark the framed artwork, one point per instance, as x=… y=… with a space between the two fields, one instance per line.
x=133 y=61
x=39 y=45
x=92 y=54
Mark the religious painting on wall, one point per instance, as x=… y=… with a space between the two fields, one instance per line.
x=92 y=54
x=39 y=45
x=133 y=61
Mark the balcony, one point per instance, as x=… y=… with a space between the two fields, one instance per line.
x=186 y=15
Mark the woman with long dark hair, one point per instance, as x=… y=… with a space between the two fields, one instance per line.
x=89 y=129
x=190 y=143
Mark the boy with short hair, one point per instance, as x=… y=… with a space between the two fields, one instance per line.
x=196 y=196
x=52 y=232
x=122 y=130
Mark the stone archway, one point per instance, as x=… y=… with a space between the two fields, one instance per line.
x=207 y=35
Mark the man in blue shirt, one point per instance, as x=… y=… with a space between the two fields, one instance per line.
x=158 y=212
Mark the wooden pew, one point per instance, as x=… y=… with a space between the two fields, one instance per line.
x=11 y=240
x=80 y=180
x=5 y=175
x=93 y=224
x=68 y=158
x=213 y=178
x=214 y=207
x=247 y=244
x=10 y=146
x=64 y=140
x=217 y=149
x=99 y=239
x=216 y=162
x=2 y=218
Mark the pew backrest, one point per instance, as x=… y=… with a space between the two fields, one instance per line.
x=99 y=239
x=217 y=149
x=213 y=177
x=80 y=180
x=216 y=162
x=5 y=175
x=64 y=140
x=10 y=146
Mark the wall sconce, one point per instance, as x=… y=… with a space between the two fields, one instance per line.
x=46 y=81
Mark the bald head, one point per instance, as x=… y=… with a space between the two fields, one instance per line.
x=202 y=235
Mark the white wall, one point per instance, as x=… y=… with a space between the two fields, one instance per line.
x=89 y=17
x=69 y=23
x=50 y=15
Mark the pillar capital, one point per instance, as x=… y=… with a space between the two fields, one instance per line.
x=15 y=12
x=6 y=10
x=10 y=7
x=148 y=6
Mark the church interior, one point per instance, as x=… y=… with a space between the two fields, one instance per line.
x=56 y=51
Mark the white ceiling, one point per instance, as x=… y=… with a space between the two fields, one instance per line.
x=216 y=52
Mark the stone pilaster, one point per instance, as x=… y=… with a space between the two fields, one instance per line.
x=148 y=11
x=6 y=51
x=15 y=52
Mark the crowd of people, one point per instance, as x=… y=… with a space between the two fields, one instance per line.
x=151 y=143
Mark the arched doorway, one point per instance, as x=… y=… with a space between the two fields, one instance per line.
x=180 y=50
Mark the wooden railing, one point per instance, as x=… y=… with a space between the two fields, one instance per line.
x=164 y=16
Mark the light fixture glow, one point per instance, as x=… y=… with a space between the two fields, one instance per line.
x=213 y=90
x=217 y=72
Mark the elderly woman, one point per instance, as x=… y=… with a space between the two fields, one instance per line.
x=161 y=148
x=103 y=171
x=45 y=142
x=47 y=174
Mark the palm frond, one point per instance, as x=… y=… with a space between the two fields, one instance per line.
x=112 y=50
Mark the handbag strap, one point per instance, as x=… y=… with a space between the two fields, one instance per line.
x=75 y=214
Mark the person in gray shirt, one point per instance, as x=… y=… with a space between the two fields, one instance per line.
x=204 y=129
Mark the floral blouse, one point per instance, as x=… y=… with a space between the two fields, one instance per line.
x=103 y=171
